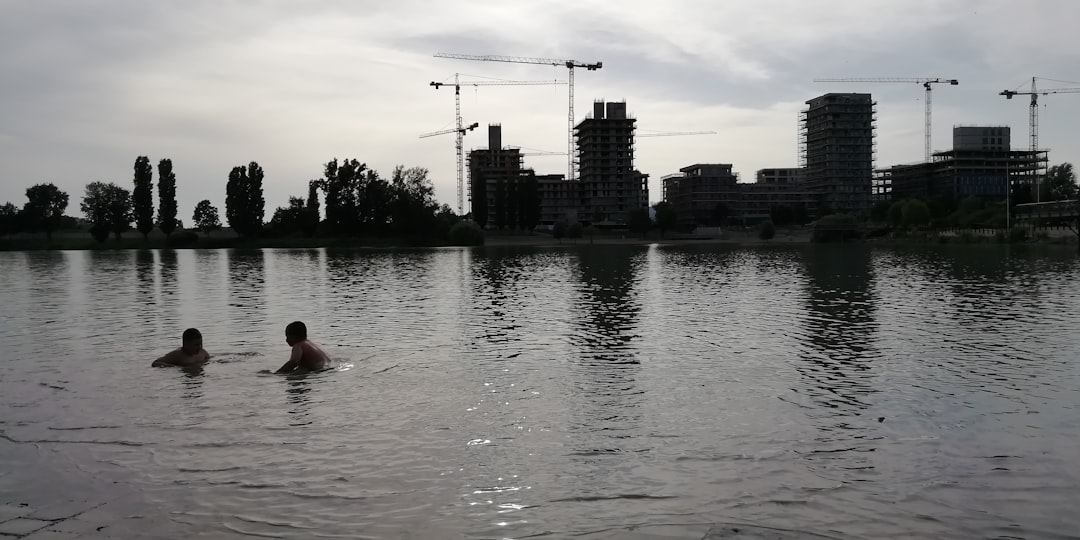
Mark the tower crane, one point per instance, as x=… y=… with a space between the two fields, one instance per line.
x=460 y=148
x=460 y=131
x=926 y=82
x=1033 y=121
x=569 y=64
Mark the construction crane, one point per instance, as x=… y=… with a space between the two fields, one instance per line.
x=460 y=131
x=460 y=148
x=673 y=133
x=1033 y=121
x=569 y=64
x=926 y=82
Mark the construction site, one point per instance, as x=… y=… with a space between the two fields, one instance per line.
x=836 y=171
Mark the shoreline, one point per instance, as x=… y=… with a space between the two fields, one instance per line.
x=793 y=237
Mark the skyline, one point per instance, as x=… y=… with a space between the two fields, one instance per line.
x=292 y=86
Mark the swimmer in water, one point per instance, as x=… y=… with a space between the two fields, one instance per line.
x=306 y=355
x=191 y=352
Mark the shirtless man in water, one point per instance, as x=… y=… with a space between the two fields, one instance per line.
x=306 y=355
x=191 y=353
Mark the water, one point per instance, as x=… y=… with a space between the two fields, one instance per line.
x=509 y=393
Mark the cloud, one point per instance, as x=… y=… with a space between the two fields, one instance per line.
x=89 y=87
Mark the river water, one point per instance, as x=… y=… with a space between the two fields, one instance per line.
x=584 y=391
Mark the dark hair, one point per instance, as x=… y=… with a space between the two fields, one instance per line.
x=191 y=334
x=297 y=329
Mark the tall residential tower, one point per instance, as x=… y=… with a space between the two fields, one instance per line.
x=838 y=141
x=608 y=186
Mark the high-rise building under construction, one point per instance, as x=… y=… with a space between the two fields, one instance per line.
x=608 y=184
x=837 y=146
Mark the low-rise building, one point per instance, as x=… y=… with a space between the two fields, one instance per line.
x=979 y=165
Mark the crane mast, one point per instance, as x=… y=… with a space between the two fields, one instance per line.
x=459 y=146
x=926 y=82
x=568 y=64
x=1033 y=119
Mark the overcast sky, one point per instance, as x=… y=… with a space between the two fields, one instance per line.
x=86 y=87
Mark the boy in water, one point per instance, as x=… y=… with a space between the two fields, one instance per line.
x=191 y=353
x=306 y=355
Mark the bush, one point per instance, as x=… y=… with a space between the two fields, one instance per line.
x=185 y=238
x=466 y=233
x=574 y=230
x=559 y=230
x=767 y=231
x=835 y=228
x=1017 y=234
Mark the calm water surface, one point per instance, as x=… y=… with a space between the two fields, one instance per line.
x=510 y=393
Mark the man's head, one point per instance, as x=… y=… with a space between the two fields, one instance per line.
x=295 y=332
x=192 y=341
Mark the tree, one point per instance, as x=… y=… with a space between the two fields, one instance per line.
x=767 y=231
x=878 y=213
x=311 y=212
x=289 y=220
x=205 y=217
x=529 y=198
x=108 y=208
x=638 y=221
x=575 y=230
x=915 y=213
x=244 y=203
x=896 y=213
x=44 y=208
x=1060 y=183
x=466 y=233
x=167 y=221
x=9 y=219
x=559 y=230
x=665 y=217
x=142 y=198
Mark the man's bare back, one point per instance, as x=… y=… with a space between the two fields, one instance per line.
x=181 y=358
x=306 y=355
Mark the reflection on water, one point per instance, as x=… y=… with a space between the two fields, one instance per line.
x=572 y=392
x=839 y=330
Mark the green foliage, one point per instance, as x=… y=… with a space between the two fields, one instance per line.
x=206 y=217
x=290 y=220
x=244 y=203
x=142 y=197
x=167 y=221
x=1060 y=183
x=10 y=219
x=466 y=233
x=1017 y=235
x=835 y=228
x=108 y=208
x=638 y=221
x=880 y=211
x=767 y=231
x=44 y=208
x=575 y=230
x=896 y=213
x=182 y=239
x=666 y=218
x=915 y=213
x=560 y=229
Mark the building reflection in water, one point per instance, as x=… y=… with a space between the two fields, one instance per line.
x=838 y=330
x=606 y=362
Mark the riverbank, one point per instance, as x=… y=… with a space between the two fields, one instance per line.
x=750 y=237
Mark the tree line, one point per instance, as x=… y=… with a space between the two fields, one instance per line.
x=358 y=202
